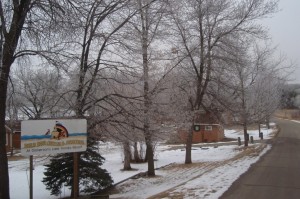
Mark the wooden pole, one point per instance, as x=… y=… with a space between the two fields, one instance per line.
x=31 y=177
x=75 y=175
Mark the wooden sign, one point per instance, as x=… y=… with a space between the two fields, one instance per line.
x=53 y=136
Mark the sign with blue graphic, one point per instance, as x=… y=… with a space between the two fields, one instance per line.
x=53 y=136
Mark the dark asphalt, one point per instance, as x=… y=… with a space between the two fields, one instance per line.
x=277 y=174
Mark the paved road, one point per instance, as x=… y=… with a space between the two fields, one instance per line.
x=277 y=174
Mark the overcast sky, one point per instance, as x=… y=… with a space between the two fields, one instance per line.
x=284 y=28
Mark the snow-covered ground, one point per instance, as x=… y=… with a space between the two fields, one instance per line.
x=213 y=170
x=267 y=133
x=205 y=178
x=297 y=121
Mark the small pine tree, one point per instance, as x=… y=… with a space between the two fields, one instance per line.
x=92 y=177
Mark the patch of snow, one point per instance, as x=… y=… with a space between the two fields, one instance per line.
x=205 y=177
x=207 y=180
x=267 y=133
x=214 y=183
x=297 y=121
x=19 y=180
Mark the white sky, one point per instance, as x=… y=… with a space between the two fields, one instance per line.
x=284 y=28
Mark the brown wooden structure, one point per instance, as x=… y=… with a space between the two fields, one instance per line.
x=207 y=129
x=13 y=135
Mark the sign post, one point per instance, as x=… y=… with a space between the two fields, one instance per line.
x=31 y=177
x=75 y=180
x=51 y=137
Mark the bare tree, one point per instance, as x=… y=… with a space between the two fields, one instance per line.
x=37 y=92
x=95 y=69
x=47 y=34
x=13 y=16
x=251 y=85
x=246 y=71
x=205 y=31
x=267 y=94
x=8 y=48
x=143 y=50
x=268 y=87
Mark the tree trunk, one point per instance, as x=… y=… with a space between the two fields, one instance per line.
x=142 y=153
x=72 y=191
x=268 y=122
x=4 y=182
x=150 y=156
x=136 y=153
x=245 y=134
x=4 y=176
x=7 y=58
x=127 y=155
x=188 y=148
x=149 y=147
x=146 y=154
x=147 y=100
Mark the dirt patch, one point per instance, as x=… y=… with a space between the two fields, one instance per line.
x=132 y=169
x=184 y=166
x=253 y=150
x=174 y=195
x=288 y=114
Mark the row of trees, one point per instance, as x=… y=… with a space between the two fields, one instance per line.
x=129 y=65
x=290 y=96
